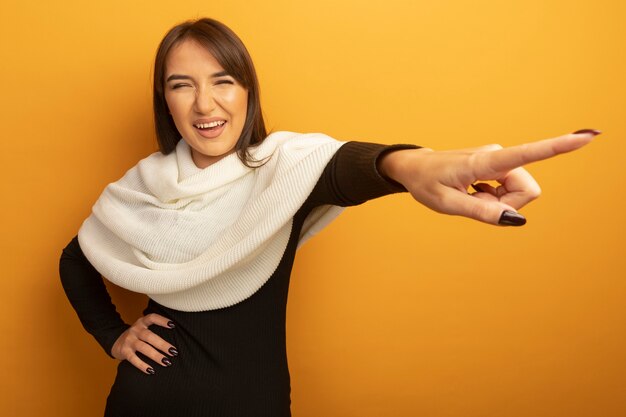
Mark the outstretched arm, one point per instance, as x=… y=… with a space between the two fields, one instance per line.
x=440 y=179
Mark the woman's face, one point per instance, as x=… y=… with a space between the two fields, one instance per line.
x=208 y=105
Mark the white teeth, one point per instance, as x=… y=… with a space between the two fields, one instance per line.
x=208 y=125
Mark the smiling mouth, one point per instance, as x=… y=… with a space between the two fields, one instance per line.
x=210 y=126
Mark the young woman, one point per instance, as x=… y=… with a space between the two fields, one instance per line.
x=209 y=226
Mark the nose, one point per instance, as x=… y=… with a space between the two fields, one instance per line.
x=204 y=102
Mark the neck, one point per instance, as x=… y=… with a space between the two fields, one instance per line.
x=203 y=161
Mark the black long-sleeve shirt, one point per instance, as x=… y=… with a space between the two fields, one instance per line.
x=232 y=361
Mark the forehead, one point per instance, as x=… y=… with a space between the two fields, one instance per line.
x=189 y=56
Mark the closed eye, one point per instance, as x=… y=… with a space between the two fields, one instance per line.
x=224 y=82
x=176 y=86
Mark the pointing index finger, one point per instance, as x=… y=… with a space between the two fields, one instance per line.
x=491 y=163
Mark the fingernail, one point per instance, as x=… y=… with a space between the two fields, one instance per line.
x=511 y=218
x=173 y=351
x=166 y=362
x=171 y=324
x=592 y=131
x=150 y=371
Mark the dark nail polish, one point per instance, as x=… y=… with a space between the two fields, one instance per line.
x=511 y=218
x=150 y=371
x=171 y=324
x=592 y=131
x=173 y=351
x=166 y=362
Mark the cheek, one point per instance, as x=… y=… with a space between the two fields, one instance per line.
x=171 y=107
x=236 y=101
x=176 y=105
x=242 y=105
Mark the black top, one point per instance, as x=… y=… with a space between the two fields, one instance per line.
x=232 y=361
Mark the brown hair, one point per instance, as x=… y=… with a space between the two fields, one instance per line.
x=233 y=56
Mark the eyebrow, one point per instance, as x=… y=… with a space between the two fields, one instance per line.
x=187 y=77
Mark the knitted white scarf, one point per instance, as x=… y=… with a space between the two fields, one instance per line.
x=200 y=239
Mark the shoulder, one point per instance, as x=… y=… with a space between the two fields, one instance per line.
x=294 y=141
x=288 y=136
x=284 y=149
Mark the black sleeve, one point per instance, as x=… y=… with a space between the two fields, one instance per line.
x=351 y=177
x=88 y=295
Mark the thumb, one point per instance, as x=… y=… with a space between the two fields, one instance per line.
x=482 y=209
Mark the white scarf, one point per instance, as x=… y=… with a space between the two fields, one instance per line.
x=200 y=239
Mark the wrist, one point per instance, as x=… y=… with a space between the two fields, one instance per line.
x=394 y=164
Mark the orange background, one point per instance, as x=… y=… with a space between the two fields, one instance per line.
x=394 y=310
